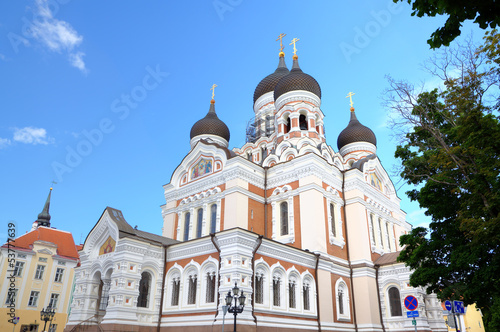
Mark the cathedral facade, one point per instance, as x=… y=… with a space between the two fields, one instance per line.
x=308 y=233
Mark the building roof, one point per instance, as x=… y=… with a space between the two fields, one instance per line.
x=125 y=230
x=64 y=240
x=210 y=125
x=388 y=259
x=296 y=80
x=269 y=82
x=355 y=132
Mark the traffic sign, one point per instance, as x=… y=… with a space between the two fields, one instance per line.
x=411 y=302
x=410 y=314
x=414 y=322
x=459 y=307
x=447 y=305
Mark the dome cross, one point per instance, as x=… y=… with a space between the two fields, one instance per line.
x=213 y=90
x=349 y=95
x=280 y=38
x=294 y=48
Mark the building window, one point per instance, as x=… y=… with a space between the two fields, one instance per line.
x=291 y=294
x=287 y=125
x=54 y=298
x=210 y=287
x=332 y=220
x=305 y=290
x=18 y=269
x=176 y=284
x=342 y=297
x=39 y=271
x=395 y=302
x=59 y=274
x=283 y=218
x=144 y=286
x=388 y=239
x=187 y=216
x=213 y=218
x=380 y=232
x=33 y=301
x=11 y=297
x=303 y=122
x=276 y=291
x=103 y=301
x=192 y=289
x=199 y=223
x=373 y=230
x=259 y=289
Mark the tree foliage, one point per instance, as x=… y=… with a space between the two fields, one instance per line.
x=450 y=151
x=484 y=12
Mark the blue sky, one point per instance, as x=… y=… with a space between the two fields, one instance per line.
x=100 y=96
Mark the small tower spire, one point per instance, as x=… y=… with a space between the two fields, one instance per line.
x=280 y=38
x=349 y=95
x=44 y=216
x=295 y=56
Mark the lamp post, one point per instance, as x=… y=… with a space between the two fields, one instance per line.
x=235 y=308
x=47 y=315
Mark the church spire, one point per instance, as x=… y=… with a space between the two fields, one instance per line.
x=44 y=216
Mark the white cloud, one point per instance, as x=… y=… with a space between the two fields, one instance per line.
x=58 y=36
x=4 y=142
x=31 y=135
x=76 y=60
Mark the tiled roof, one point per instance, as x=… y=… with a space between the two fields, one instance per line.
x=387 y=259
x=296 y=80
x=355 y=132
x=64 y=240
x=269 y=82
x=210 y=125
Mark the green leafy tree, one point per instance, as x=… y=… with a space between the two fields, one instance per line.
x=484 y=12
x=450 y=150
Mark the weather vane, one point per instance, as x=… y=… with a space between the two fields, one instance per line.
x=294 y=48
x=280 y=38
x=349 y=95
x=213 y=90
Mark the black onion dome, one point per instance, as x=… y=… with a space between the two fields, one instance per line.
x=355 y=132
x=210 y=125
x=269 y=82
x=296 y=80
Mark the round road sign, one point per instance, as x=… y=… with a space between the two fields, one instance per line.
x=447 y=305
x=411 y=302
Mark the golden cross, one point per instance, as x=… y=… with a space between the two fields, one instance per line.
x=280 y=37
x=213 y=90
x=349 y=95
x=294 y=48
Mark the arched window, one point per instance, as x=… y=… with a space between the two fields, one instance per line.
x=144 y=286
x=187 y=216
x=210 y=298
x=332 y=219
x=264 y=153
x=176 y=286
x=342 y=296
x=213 y=218
x=395 y=302
x=288 y=125
x=276 y=291
x=303 y=122
x=284 y=218
x=259 y=288
x=380 y=232
x=199 y=223
x=291 y=294
x=192 y=283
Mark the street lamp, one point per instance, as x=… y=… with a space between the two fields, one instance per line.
x=236 y=308
x=47 y=315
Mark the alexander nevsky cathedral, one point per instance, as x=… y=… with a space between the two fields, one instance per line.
x=308 y=232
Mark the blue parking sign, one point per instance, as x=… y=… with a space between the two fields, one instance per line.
x=458 y=307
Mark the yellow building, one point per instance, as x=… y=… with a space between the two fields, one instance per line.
x=37 y=270
x=471 y=321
